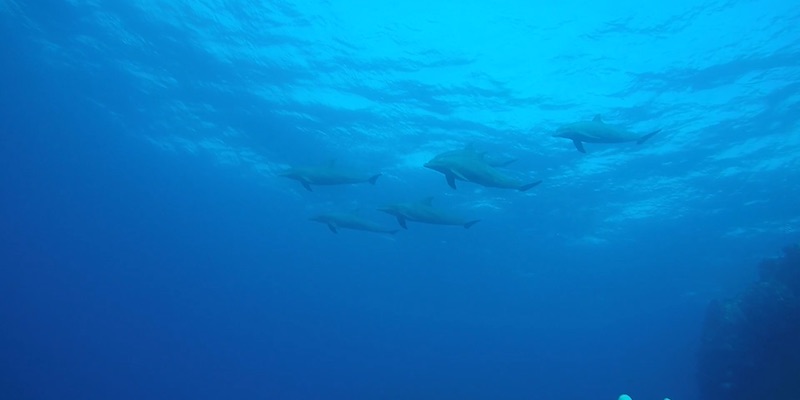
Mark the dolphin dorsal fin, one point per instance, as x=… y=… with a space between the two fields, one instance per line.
x=597 y=118
x=427 y=201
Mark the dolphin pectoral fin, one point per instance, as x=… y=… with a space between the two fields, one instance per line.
x=374 y=178
x=648 y=136
x=306 y=185
x=402 y=222
x=393 y=231
x=332 y=227
x=451 y=180
x=470 y=223
x=578 y=145
x=528 y=186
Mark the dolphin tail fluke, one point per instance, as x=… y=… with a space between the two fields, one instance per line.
x=528 y=186
x=374 y=178
x=579 y=145
x=470 y=223
x=648 y=136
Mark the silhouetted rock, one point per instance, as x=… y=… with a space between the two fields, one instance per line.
x=750 y=347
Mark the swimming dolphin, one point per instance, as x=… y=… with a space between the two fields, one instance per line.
x=327 y=175
x=350 y=221
x=597 y=131
x=474 y=168
x=423 y=211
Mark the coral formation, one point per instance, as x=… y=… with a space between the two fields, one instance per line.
x=750 y=347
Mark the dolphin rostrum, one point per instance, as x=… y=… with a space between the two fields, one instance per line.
x=327 y=175
x=473 y=167
x=350 y=221
x=597 y=131
x=423 y=211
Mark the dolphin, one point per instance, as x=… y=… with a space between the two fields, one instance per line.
x=474 y=168
x=327 y=175
x=350 y=221
x=597 y=131
x=423 y=211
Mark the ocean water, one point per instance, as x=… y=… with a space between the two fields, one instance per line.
x=150 y=248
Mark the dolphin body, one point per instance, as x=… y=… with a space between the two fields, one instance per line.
x=473 y=167
x=327 y=175
x=597 y=131
x=423 y=211
x=350 y=221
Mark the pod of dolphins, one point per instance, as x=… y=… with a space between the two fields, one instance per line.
x=466 y=165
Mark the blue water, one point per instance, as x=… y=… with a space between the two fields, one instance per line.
x=149 y=248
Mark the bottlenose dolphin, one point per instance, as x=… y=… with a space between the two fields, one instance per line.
x=327 y=175
x=423 y=211
x=350 y=221
x=474 y=168
x=597 y=131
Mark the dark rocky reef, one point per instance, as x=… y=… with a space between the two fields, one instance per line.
x=750 y=347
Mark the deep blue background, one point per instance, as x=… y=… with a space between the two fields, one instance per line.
x=128 y=272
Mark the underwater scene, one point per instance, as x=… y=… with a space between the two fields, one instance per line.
x=333 y=199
